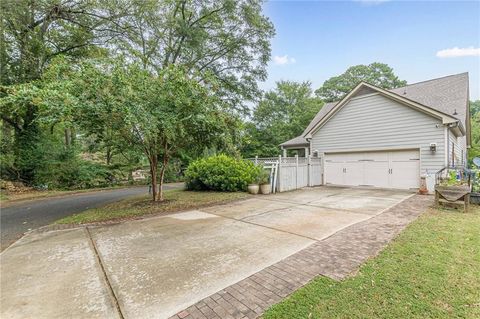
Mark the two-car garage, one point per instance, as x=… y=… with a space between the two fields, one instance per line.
x=389 y=169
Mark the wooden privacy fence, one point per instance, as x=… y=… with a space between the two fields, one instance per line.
x=294 y=172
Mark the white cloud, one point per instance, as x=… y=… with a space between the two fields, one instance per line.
x=282 y=60
x=458 y=52
x=371 y=2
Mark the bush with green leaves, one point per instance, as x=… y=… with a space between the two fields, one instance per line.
x=221 y=173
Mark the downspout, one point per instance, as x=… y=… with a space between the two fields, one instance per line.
x=448 y=145
x=449 y=126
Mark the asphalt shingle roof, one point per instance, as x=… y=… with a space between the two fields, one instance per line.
x=448 y=95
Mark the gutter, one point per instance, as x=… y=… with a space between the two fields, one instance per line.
x=457 y=127
x=447 y=141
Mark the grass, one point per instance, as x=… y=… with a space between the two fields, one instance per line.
x=432 y=270
x=175 y=200
x=3 y=196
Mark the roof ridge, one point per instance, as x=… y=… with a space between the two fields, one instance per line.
x=442 y=77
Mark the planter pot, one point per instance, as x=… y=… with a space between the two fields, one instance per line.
x=265 y=189
x=452 y=193
x=475 y=198
x=253 y=189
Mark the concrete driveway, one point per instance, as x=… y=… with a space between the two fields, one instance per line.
x=20 y=217
x=155 y=267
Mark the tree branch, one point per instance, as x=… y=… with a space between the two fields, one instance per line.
x=12 y=123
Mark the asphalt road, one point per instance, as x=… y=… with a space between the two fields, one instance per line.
x=19 y=218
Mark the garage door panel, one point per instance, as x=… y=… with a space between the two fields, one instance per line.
x=388 y=169
x=376 y=156
x=376 y=173
x=405 y=174
x=404 y=155
x=354 y=173
x=334 y=173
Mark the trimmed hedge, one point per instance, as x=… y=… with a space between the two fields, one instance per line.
x=221 y=173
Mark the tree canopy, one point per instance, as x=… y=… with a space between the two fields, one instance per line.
x=474 y=129
x=227 y=39
x=282 y=114
x=378 y=74
x=191 y=67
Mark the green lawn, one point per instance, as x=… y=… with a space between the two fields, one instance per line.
x=432 y=270
x=175 y=200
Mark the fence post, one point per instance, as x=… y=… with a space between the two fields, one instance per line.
x=256 y=160
x=309 y=171
x=279 y=180
x=296 y=171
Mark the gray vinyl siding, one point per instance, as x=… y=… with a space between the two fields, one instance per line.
x=376 y=122
x=460 y=144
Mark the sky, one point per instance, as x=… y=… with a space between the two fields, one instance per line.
x=420 y=40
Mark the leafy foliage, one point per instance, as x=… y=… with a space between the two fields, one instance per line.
x=226 y=39
x=378 y=74
x=282 y=114
x=263 y=177
x=192 y=65
x=474 y=130
x=221 y=173
x=474 y=108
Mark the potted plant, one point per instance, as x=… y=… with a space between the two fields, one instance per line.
x=264 y=181
x=253 y=188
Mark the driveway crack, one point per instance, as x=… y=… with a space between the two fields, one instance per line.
x=102 y=267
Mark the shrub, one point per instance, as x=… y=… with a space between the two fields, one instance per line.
x=263 y=177
x=221 y=173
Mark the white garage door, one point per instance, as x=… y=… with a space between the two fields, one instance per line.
x=393 y=169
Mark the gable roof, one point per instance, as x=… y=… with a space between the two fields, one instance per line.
x=446 y=97
x=301 y=140
x=448 y=94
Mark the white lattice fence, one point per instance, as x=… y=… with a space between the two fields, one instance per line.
x=294 y=172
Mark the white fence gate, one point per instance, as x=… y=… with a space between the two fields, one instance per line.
x=294 y=172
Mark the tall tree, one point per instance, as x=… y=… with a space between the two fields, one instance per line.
x=229 y=39
x=159 y=115
x=33 y=33
x=378 y=74
x=475 y=129
x=474 y=108
x=282 y=114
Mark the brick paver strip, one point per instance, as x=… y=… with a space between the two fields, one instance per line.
x=337 y=257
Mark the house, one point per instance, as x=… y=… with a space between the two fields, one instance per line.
x=390 y=138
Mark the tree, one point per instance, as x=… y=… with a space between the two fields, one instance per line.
x=226 y=39
x=34 y=33
x=225 y=42
x=282 y=114
x=29 y=107
x=474 y=108
x=159 y=115
x=378 y=74
x=474 y=129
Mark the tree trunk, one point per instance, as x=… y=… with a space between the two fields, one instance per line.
x=67 y=138
x=153 y=172
x=109 y=155
x=162 y=175
x=25 y=148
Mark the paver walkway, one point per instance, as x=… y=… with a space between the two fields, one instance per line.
x=336 y=257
